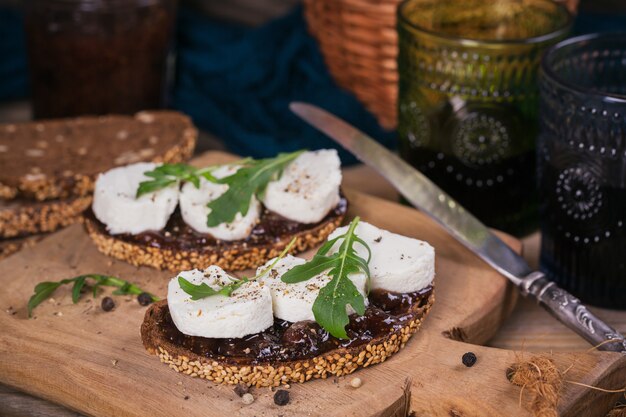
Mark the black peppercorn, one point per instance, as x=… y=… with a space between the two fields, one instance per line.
x=241 y=389
x=281 y=397
x=144 y=299
x=469 y=359
x=107 y=304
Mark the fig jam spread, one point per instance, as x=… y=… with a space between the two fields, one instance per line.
x=178 y=235
x=285 y=341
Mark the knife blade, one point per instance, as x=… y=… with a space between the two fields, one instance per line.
x=464 y=227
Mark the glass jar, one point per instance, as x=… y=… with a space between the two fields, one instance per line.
x=468 y=99
x=98 y=56
x=582 y=168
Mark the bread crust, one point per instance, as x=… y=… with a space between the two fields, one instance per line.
x=18 y=220
x=10 y=246
x=337 y=362
x=61 y=182
x=238 y=257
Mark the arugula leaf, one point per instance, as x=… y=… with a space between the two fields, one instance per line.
x=167 y=174
x=242 y=185
x=330 y=305
x=78 y=286
x=202 y=290
x=251 y=179
x=45 y=289
x=329 y=308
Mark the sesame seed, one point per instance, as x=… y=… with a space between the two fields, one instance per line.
x=356 y=382
x=247 y=398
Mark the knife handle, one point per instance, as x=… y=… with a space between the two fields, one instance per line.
x=571 y=312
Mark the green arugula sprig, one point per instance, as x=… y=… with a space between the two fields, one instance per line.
x=200 y=291
x=329 y=308
x=45 y=289
x=243 y=184
x=250 y=179
x=165 y=175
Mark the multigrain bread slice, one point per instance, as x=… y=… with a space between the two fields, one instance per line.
x=57 y=159
x=179 y=248
x=22 y=218
x=335 y=362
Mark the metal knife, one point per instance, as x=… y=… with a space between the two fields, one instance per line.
x=466 y=228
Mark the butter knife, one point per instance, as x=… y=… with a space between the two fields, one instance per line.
x=466 y=228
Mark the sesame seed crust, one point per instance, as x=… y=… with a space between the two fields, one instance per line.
x=40 y=217
x=337 y=362
x=11 y=246
x=75 y=184
x=238 y=258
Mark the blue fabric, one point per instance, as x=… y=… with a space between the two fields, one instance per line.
x=13 y=70
x=237 y=83
x=599 y=22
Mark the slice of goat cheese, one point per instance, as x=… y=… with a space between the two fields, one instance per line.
x=308 y=187
x=399 y=263
x=193 y=207
x=248 y=310
x=115 y=203
x=294 y=302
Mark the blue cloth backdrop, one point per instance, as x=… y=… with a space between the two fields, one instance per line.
x=237 y=83
x=13 y=71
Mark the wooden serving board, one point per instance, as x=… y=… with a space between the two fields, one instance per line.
x=94 y=362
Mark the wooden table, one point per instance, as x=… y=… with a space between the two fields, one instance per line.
x=529 y=328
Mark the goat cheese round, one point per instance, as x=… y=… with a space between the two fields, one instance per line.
x=115 y=203
x=248 y=310
x=398 y=263
x=294 y=302
x=193 y=206
x=308 y=188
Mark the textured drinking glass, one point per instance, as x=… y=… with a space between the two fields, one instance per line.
x=582 y=168
x=469 y=98
x=98 y=56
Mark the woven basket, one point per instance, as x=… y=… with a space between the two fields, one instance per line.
x=359 y=42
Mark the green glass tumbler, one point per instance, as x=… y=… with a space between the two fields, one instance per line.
x=468 y=99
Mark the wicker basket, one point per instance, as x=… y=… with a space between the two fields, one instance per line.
x=359 y=42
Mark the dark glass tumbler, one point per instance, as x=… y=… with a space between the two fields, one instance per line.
x=468 y=99
x=98 y=56
x=582 y=167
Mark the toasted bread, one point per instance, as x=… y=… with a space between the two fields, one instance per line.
x=10 y=246
x=58 y=159
x=22 y=218
x=220 y=369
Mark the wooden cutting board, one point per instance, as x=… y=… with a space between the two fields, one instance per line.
x=94 y=362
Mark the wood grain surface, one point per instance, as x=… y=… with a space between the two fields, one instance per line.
x=92 y=361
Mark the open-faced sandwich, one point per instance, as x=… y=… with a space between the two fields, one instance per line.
x=234 y=216
x=354 y=304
